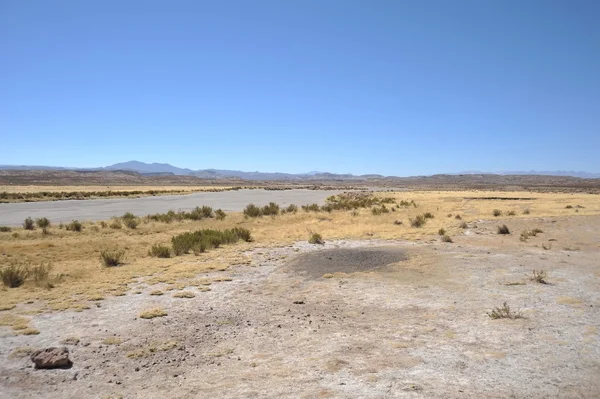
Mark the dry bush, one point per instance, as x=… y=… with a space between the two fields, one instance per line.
x=511 y=213
x=398 y=222
x=292 y=208
x=152 y=313
x=5 y=229
x=446 y=238
x=464 y=225
x=14 y=275
x=441 y=232
x=220 y=215
x=526 y=211
x=458 y=217
x=112 y=257
x=75 y=225
x=418 y=221
x=497 y=212
x=316 y=238
x=539 y=276
x=116 y=224
x=503 y=229
x=428 y=215
x=184 y=294
x=504 y=312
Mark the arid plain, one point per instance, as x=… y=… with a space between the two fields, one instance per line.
x=402 y=295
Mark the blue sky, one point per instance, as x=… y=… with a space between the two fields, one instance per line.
x=391 y=87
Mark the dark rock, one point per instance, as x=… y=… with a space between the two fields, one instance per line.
x=51 y=358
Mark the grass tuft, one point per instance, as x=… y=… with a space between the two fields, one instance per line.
x=112 y=257
x=75 y=225
x=447 y=238
x=152 y=313
x=504 y=312
x=539 y=276
x=497 y=212
x=14 y=275
x=503 y=229
x=160 y=251
x=316 y=238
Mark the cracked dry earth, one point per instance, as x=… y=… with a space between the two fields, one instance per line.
x=414 y=328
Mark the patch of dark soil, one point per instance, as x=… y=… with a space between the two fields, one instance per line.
x=345 y=260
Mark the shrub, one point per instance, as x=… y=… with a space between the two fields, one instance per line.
x=446 y=238
x=428 y=215
x=252 y=211
x=497 y=212
x=103 y=224
x=112 y=257
x=41 y=275
x=184 y=294
x=569 y=207
x=503 y=229
x=160 y=251
x=43 y=223
x=219 y=214
x=327 y=208
x=130 y=223
x=311 y=207
x=511 y=213
x=152 y=313
x=441 y=232
x=526 y=211
x=242 y=233
x=74 y=226
x=128 y=215
x=316 y=238
x=5 y=229
x=14 y=275
x=115 y=224
x=464 y=225
x=28 y=224
x=539 y=276
x=354 y=213
x=270 y=210
x=418 y=221
x=397 y=222
x=504 y=312
x=292 y=208
x=458 y=217
x=206 y=211
x=202 y=240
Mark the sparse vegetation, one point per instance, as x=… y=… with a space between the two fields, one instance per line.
x=503 y=229
x=184 y=294
x=311 y=208
x=511 y=213
x=29 y=224
x=112 y=257
x=270 y=210
x=5 y=229
x=116 y=224
x=398 y=222
x=130 y=220
x=539 y=276
x=464 y=225
x=504 y=312
x=428 y=215
x=526 y=211
x=497 y=212
x=458 y=217
x=446 y=238
x=316 y=238
x=569 y=207
x=441 y=232
x=160 y=251
x=292 y=208
x=547 y=247
x=252 y=211
x=529 y=233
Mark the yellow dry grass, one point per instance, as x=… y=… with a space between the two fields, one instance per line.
x=152 y=313
x=76 y=256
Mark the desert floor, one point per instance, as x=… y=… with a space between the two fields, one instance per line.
x=380 y=310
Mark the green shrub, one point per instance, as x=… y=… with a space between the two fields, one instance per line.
x=131 y=223
x=128 y=215
x=316 y=238
x=14 y=275
x=43 y=223
x=242 y=233
x=28 y=224
x=160 y=251
x=74 y=226
x=206 y=239
x=270 y=210
x=292 y=208
x=252 y=211
x=5 y=229
x=207 y=211
x=503 y=229
x=112 y=257
x=311 y=208
x=219 y=214
x=497 y=212
x=327 y=208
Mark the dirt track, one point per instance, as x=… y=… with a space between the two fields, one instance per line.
x=416 y=328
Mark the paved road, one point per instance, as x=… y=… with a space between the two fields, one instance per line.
x=102 y=209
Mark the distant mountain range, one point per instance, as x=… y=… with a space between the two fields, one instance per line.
x=155 y=169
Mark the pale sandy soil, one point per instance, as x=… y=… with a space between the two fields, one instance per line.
x=416 y=328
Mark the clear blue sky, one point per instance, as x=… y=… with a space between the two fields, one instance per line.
x=392 y=87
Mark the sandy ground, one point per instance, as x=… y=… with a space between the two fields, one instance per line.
x=13 y=214
x=414 y=328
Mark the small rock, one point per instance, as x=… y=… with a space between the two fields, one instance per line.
x=51 y=358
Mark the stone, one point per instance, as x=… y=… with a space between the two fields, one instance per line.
x=51 y=358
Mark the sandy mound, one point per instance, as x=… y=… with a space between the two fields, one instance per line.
x=345 y=260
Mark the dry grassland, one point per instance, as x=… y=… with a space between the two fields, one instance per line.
x=80 y=280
